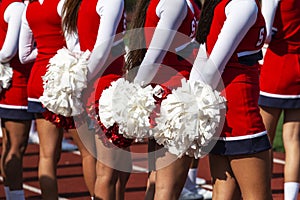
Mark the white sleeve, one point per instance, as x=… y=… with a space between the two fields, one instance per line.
x=72 y=41
x=27 y=49
x=240 y=17
x=111 y=12
x=269 y=10
x=171 y=14
x=12 y=16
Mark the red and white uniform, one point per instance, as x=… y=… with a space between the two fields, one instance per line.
x=237 y=34
x=13 y=101
x=40 y=38
x=98 y=23
x=170 y=28
x=280 y=74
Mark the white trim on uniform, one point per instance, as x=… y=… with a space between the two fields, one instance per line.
x=244 y=137
x=13 y=106
x=247 y=53
x=282 y=96
x=34 y=100
x=190 y=5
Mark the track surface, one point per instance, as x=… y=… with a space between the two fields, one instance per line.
x=71 y=184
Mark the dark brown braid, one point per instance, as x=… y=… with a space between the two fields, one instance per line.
x=206 y=20
x=136 y=37
x=69 y=16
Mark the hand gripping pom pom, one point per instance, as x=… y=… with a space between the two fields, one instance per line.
x=189 y=118
x=129 y=105
x=6 y=74
x=64 y=81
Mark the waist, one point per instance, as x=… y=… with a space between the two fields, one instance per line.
x=248 y=58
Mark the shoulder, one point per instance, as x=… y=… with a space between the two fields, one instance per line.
x=245 y=5
x=171 y=5
x=14 y=9
x=16 y=6
x=247 y=8
x=103 y=5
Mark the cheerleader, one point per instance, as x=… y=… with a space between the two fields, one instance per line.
x=161 y=20
x=100 y=26
x=40 y=38
x=280 y=84
x=15 y=121
x=233 y=33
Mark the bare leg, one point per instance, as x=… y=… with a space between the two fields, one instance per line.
x=170 y=179
x=270 y=118
x=150 y=191
x=16 y=135
x=4 y=150
x=109 y=160
x=291 y=141
x=50 y=147
x=123 y=176
x=224 y=183
x=88 y=159
x=253 y=176
x=105 y=186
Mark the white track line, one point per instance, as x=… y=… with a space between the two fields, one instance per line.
x=279 y=161
x=142 y=169
x=33 y=189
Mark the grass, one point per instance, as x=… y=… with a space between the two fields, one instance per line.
x=278 y=145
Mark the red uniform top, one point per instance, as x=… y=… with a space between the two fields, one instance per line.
x=176 y=66
x=45 y=24
x=281 y=62
x=87 y=34
x=287 y=23
x=187 y=32
x=16 y=95
x=241 y=81
x=252 y=42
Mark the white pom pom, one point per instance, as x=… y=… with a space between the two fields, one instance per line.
x=6 y=73
x=189 y=118
x=64 y=82
x=129 y=105
x=139 y=108
x=113 y=101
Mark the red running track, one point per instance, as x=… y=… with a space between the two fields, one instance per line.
x=71 y=184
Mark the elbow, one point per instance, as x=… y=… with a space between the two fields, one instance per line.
x=22 y=59
x=7 y=56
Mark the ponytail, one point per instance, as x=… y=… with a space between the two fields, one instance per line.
x=137 y=37
x=70 y=15
x=206 y=20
